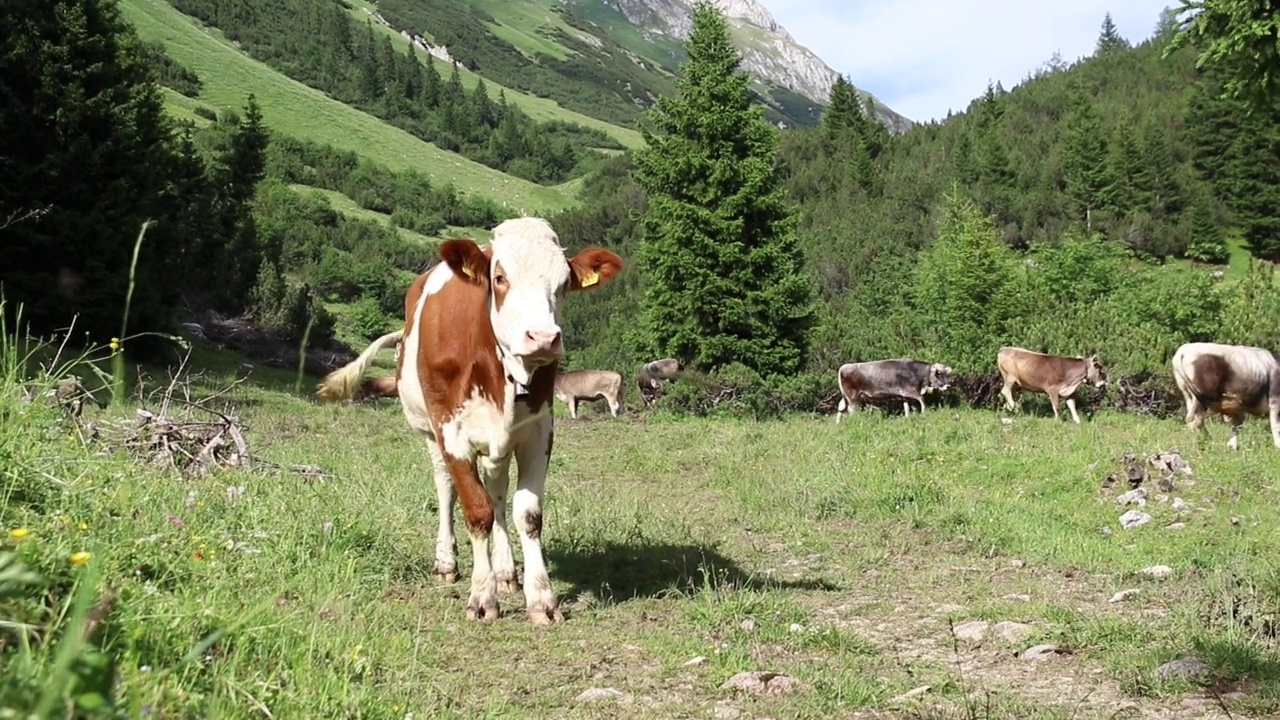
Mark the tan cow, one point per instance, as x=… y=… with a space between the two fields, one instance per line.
x=1055 y=375
x=578 y=385
x=475 y=376
x=651 y=377
x=1234 y=380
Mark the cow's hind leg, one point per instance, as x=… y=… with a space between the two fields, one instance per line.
x=1007 y=393
x=477 y=510
x=1236 y=421
x=446 y=544
x=532 y=458
x=497 y=480
x=1273 y=413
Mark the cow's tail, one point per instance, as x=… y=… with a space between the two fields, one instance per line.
x=342 y=383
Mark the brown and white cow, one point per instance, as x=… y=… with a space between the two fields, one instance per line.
x=1234 y=380
x=651 y=376
x=1055 y=375
x=481 y=348
x=578 y=385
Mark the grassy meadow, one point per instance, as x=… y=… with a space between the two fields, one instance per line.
x=295 y=109
x=684 y=551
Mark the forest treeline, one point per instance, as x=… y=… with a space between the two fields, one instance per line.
x=317 y=43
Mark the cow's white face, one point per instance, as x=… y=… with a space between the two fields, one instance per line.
x=527 y=276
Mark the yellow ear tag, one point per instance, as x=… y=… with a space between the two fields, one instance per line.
x=591 y=279
x=467 y=270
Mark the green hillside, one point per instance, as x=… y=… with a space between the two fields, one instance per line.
x=297 y=110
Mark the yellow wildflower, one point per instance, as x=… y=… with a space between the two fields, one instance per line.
x=84 y=525
x=80 y=558
x=17 y=534
x=114 y=344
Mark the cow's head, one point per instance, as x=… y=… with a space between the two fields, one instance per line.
x=939 y=378
x=1094 y=372
x=526 y=275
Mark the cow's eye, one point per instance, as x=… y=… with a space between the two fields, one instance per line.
x=500 y=280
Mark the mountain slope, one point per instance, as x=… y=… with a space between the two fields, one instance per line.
x=792 y=77
x=611 y=58
x=228 y=77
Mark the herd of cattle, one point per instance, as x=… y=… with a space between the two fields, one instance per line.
x=477 y=366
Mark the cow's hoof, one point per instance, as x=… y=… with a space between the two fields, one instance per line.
x=508 y=585
x=486 y=611
x=446 y=575
x=545 y=614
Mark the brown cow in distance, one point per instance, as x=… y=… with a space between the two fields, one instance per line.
x=1234 y=380
x=578 y=385
x=481 y=348
x=1055 y=375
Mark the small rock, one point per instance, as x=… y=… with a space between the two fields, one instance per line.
x=748 y=625
x=1176 y=526
x=1020 y=597
x=1179 y=504
x=597 y=694
x=1124 y=595
x=1013 y=632
x=694 y=662
x=973 y=631
x=1136 y=496
x=1017 y=563
x=948 y=609
x=1104 y=530
x=1133 y=519
x=1157 y=571
x=795 y=627
x=763 y=681
x=1235 y=520
x=1039 y=652
x=910 y=694
x=1186 y=667
x=1165 y=484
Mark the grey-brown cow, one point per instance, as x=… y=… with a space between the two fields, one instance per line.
x=578 y=385
x=1234 y=380
x=651 y=377
x=1055 y=375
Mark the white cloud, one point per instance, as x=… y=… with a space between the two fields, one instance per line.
x=923 y=57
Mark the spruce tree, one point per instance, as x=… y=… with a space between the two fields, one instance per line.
x=843 y=112
x=1109 y=39
x=1088 y=177
x=724 y=274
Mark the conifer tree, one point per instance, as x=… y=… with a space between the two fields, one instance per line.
x=1238 y=37
x=843 y=112
x=1088 y=177
x=1109 y=39
x=724 y=274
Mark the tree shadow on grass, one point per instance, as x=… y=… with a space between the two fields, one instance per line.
x=617 y=572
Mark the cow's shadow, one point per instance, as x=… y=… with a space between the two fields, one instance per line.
x=618 y=572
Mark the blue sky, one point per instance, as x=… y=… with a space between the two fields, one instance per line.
x=923 y=57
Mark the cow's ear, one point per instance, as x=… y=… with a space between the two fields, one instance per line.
x=592 y=268
x=466 y=260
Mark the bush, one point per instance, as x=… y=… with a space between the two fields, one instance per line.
x=366 y=319
x=287 y=309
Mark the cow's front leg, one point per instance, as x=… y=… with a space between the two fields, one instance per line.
x=497 y=479
x=532 y=458
x=1234 y=442
x=1274 y=416
x=1071 y=405
x=446 y=544
x=477 y=511
x=1053 y=402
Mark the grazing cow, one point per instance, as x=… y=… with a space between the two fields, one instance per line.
x=1234 y=380
x=1055 y=375
x=588 y=385
x=481 y=347
x=889 y=379
x=651 y=377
